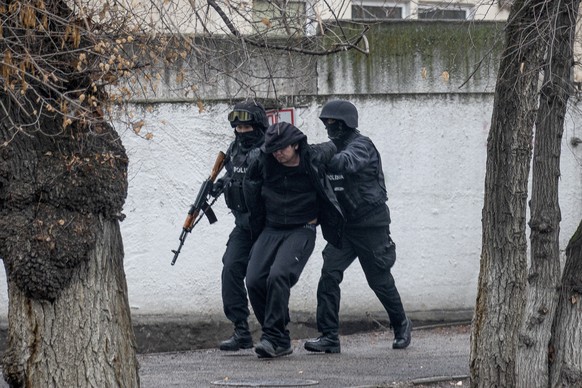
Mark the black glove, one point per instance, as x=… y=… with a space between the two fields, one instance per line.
x=217 y=188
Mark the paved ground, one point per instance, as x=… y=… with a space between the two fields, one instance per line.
x=437 y=357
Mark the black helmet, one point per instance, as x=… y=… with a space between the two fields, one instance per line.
x=340 y=110
x=249 y=112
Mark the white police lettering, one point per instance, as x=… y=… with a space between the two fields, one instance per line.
x=240 y=170
x=336 y=181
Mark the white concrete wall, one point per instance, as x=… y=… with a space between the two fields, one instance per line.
x=434 y=163
x=433 y=149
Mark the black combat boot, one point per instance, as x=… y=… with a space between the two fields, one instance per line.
x=402 y=335
x=266 y=349
x=240 y=339
x=328 y=343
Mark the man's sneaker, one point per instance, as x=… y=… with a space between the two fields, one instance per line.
x=327 y=343
x=402 y=335
x=237 y=342
x=265 y=349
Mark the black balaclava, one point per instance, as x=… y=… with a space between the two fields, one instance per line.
x=336 y=131
x=258 y=121
x=248 y=139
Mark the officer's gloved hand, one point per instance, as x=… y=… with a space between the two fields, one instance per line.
x=217 y=188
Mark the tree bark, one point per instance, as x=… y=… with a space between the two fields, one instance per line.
x=501 y=293
x=82 y=339
x=532 y=366
x=62 y=189
x=566 y=343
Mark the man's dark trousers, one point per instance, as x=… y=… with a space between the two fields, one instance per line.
x=377 y=254
x=277 y=260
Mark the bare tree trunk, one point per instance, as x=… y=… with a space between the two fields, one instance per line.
x=532 y=366
x=566 y=344
x=82 y=339
x=502 y=278
x=62 y=189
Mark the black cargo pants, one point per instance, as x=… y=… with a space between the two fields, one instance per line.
x=377 y=254
x=277 y=259
x=234 y=270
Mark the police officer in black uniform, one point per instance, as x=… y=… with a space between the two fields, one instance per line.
x=249 y=120
x=358 y=180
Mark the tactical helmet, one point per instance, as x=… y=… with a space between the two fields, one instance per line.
x=340 y=110
x=249 y=112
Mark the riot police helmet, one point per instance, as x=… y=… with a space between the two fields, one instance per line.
x=340 y=110
x=249 y=112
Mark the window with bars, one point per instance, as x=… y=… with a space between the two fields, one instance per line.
x=376 y=12
x=442 y=13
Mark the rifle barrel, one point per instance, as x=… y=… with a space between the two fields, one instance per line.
x=193 y=214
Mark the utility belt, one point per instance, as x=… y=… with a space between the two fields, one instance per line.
x=312 y=227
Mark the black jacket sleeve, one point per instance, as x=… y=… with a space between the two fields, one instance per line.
x=354 y=158
x=322 y=153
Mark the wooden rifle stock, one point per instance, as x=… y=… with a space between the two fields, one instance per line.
x=201 y=204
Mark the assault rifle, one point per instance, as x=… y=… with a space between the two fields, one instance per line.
x=201 y=204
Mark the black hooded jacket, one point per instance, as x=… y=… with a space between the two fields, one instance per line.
x=313 y=159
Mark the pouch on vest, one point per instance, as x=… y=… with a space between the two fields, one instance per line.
x=234 y=197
